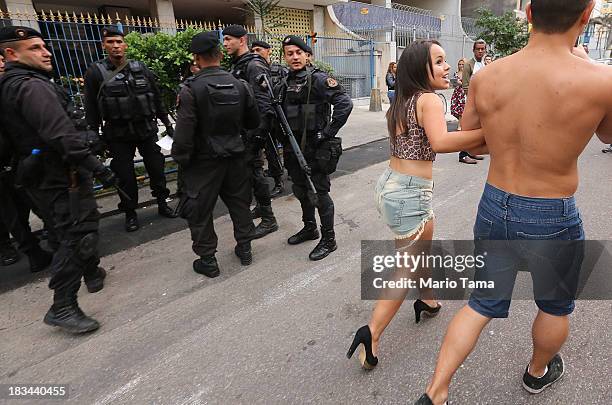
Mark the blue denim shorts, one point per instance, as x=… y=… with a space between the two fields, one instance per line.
x=404 y=202
x=528 y=223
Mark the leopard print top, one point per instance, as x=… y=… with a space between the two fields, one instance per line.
x=412 y=144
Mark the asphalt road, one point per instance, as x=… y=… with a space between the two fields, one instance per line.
x=277 y=331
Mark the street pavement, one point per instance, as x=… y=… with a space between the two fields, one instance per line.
x=277 y=331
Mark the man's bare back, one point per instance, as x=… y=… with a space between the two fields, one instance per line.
x=539 y=108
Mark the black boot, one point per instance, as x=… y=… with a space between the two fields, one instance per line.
x=308 y=232
x=256 y=212
x=131 y=221
x=278 y=187
x=68 y=316
x=244 y=253
x=95 y=283
x=326 y=245
x=8 y=255
x=268 y=223
x=164 y=209
x=39 y=259
x=206 y=265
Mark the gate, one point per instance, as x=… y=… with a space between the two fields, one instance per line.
x=352 y=62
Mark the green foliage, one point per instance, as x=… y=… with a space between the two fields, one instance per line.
x=266 y=11
x=168 y=56
x=506 y=34
x=326 y=67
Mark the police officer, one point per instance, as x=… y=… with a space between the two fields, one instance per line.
x=15 y=212
x=307 y=95
x=248 y=67
x=213 y=109
x=123 y=96
x=55 y=167
x=277 y=73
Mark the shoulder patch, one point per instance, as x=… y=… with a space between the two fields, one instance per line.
x=331 y=83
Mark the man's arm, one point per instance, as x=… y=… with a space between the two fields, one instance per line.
x=186 y=124
x=467 y=75
x=160 y=107
x=343 y=105
x=262 y=98
x=604 y=131
x=251 y=112
x=93 y=81
x=39 y=103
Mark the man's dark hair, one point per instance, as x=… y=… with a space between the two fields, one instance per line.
x=556 y=16
x=413 y=69
x=212 y=54
x=2 y=51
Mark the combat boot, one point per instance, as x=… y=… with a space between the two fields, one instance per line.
x=39 y=259
x=68 y=316
x=308 y=232
x=8 y=255
x=268 y=223
x=131 y=221
x=256 y=212
x=326 y=245
x=207 y=266
x=244 y=253
x=95 y=283
x=278 y=187
x=164 y=209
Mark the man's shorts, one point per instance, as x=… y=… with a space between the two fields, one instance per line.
x=542 y=235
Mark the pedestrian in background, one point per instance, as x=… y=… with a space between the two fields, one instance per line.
x=390 y=79
x=488 y=59
x=458 y=97
x=471 y=68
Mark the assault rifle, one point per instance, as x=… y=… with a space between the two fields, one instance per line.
x=264 y=82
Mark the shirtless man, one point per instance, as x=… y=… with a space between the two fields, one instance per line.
x=537 y=120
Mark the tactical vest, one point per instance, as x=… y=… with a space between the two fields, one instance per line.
x=277 y=73
x=307 y=110
x=219 y=114
x=128 y=96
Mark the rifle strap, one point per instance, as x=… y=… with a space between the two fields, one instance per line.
x=108 y=77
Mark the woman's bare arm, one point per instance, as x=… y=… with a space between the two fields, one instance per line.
x=430 y=111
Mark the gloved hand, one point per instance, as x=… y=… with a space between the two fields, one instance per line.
x=320 y=137
x=170 y=130
x=95 y=143
x=106 y=176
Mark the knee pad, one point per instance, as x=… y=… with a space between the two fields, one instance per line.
x=87 y=246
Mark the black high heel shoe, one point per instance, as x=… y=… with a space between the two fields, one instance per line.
x=425 y=400
x=420 y=307
x=366 y=357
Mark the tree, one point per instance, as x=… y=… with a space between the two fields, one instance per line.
x=266 y=11
x=506 y=34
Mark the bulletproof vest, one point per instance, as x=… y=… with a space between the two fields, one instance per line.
x=277 y=73
x=219 y=113
x=305 y=107
x=23 y=137
x=128 y=96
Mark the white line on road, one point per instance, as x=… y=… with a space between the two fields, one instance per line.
x=113 y=396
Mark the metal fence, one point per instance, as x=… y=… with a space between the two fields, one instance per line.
x=75 y=42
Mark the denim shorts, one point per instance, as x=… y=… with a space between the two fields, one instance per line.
x=530 y=224
x=404 y=202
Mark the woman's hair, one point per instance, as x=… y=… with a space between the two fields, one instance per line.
x=412 y=77
x=390 y=69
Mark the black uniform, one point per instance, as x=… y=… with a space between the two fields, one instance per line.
x=128 y=107
x=307 y=97
x=249 y=67
x=214 y=108
x=34 y=115
x=275 y=169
